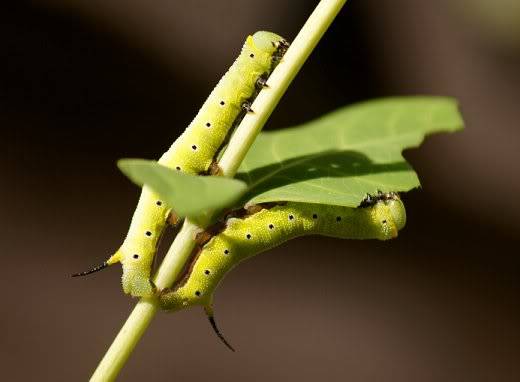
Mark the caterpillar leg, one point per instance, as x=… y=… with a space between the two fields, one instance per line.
x=214 y=169
x=247 y=107
x=202 y=237
x=209 y=312
x=261 y=82
x=173 y=219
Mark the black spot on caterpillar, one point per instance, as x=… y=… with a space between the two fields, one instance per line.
x=244 y=234
x=194 y=152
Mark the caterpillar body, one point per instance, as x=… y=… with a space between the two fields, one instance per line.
x=379 y=217
x=194 y=152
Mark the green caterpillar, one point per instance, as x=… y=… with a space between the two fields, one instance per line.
x=195 y=152
x=262 y=227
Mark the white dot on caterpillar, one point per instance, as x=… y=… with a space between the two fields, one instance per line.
x=334 y=165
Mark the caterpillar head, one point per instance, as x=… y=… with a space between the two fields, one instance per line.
x=388 y=214
x=266 y=47
x=398 y=212
x=268 y=42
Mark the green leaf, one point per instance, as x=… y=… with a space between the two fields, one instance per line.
x=190 y=195
x=342 y=156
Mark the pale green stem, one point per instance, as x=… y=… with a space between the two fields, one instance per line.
x=242 y=139
x=142 y=315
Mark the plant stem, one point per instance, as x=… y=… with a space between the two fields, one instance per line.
x=241 y=141
x=145 y=309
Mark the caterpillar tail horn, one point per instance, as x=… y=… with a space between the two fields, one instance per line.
x=97 y=268
x=112 y=260
x=209 y=312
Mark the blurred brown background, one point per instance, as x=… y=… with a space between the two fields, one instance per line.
x=85 y=82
